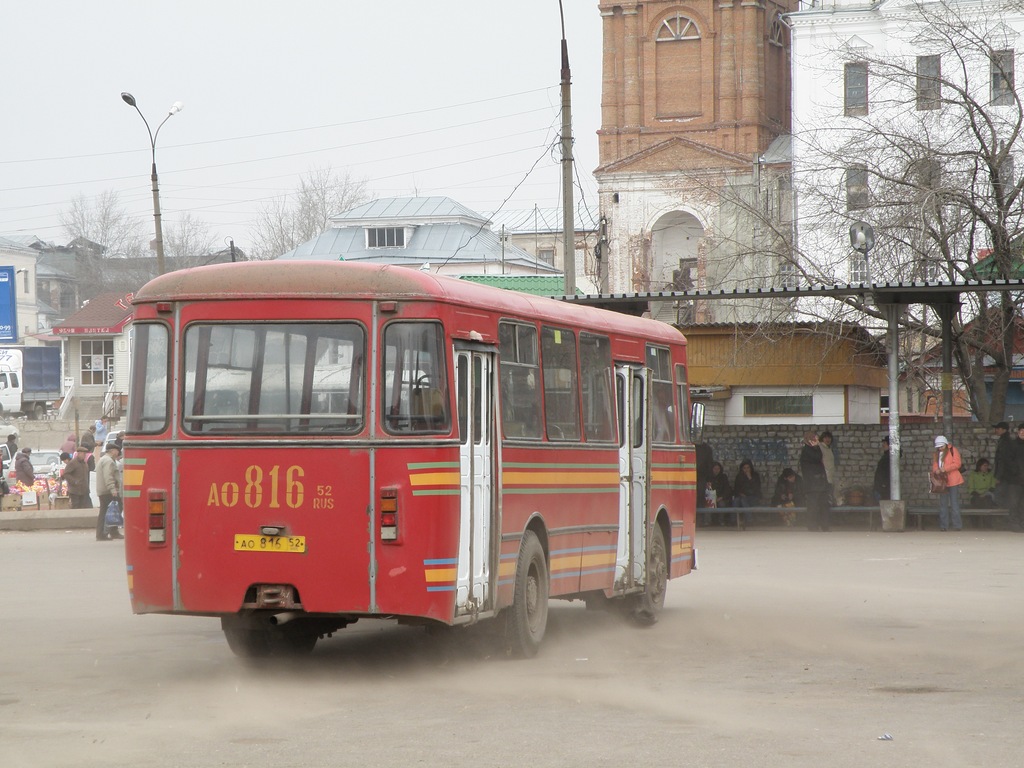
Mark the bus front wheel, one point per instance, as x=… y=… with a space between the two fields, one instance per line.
x=643 y=608
x=527 y=617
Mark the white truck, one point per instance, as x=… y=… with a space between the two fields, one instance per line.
x=30 y=380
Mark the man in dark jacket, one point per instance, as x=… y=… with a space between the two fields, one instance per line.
x=816 y=492
x=1007 y=477
x=883 y=484
x=89 y=439
x=76 y=473
x=23 y=469
x=1013 y=497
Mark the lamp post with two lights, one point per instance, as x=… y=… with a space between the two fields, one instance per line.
x=176 y=107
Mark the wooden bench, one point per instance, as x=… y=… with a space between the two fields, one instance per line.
x=872 y=513
x=922 y=512
x=740 y=511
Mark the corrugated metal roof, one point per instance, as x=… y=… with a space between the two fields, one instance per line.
x=401 y=209
x=11 y=242
x=536 y=285
x=442 y=232
x=900 y=293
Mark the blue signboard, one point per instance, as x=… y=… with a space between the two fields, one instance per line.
x=8 y=306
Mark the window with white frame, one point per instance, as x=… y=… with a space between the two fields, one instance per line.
x=859 y=269
x=926 y=173
x=97 y=361
x=929 y=82
x=789 y=276
x=855 y=88
x=778 y=405
x=857 y=191
x=1001 y=68
x=385 y=237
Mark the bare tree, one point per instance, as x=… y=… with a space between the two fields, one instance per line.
x=188 y=242
x=104 y=221
x=303 y=214
x=928 y=160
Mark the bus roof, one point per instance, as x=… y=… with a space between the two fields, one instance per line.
x=271 y=280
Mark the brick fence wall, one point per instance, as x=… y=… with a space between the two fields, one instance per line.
x=771 y=448
x=858 y=449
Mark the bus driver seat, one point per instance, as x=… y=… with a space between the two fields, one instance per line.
x=428 y=406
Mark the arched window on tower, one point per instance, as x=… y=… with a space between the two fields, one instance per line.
x=678 y=62
x=678 y=27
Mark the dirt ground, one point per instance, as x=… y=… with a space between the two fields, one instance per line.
x=787 y=648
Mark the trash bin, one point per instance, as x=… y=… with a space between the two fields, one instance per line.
x=894 y=515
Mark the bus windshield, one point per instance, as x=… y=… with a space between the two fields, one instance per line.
x=245 y=378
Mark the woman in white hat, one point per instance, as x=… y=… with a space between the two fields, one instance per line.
x=946 y=466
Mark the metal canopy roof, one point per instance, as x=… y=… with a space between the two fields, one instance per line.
x=921 y=292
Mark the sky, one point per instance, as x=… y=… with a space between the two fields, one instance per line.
x=457 y=98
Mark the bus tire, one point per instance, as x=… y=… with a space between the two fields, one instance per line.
x=527 y=617
x=644 y=608
x=250 y=639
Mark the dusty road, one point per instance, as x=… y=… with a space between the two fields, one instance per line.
x=785 y=649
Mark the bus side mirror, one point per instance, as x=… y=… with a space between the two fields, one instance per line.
x=697 y=422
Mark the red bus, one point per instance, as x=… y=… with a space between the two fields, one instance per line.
x=311 y=443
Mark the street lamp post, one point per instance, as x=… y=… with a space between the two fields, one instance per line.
x=862 y=239
x=176 y=107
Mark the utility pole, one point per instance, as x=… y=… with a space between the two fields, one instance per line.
x=568 y=221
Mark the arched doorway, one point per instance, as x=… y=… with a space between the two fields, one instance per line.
x=675 y=246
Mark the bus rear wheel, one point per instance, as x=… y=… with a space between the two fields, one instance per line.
x=249 y=638
x=527 y=617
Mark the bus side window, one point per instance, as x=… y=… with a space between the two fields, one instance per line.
x=596 y=378
x=683 y=392
x=415 y=393
x=520 y=374
x=659 y=361
x=561 y=393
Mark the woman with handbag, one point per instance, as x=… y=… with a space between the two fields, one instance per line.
x=946 y=481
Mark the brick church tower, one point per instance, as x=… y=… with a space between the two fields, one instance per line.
x=695 y=117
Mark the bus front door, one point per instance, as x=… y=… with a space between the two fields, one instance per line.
x=630 y=558
x=474 y=372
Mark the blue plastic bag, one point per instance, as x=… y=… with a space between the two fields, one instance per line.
x=113 y=518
